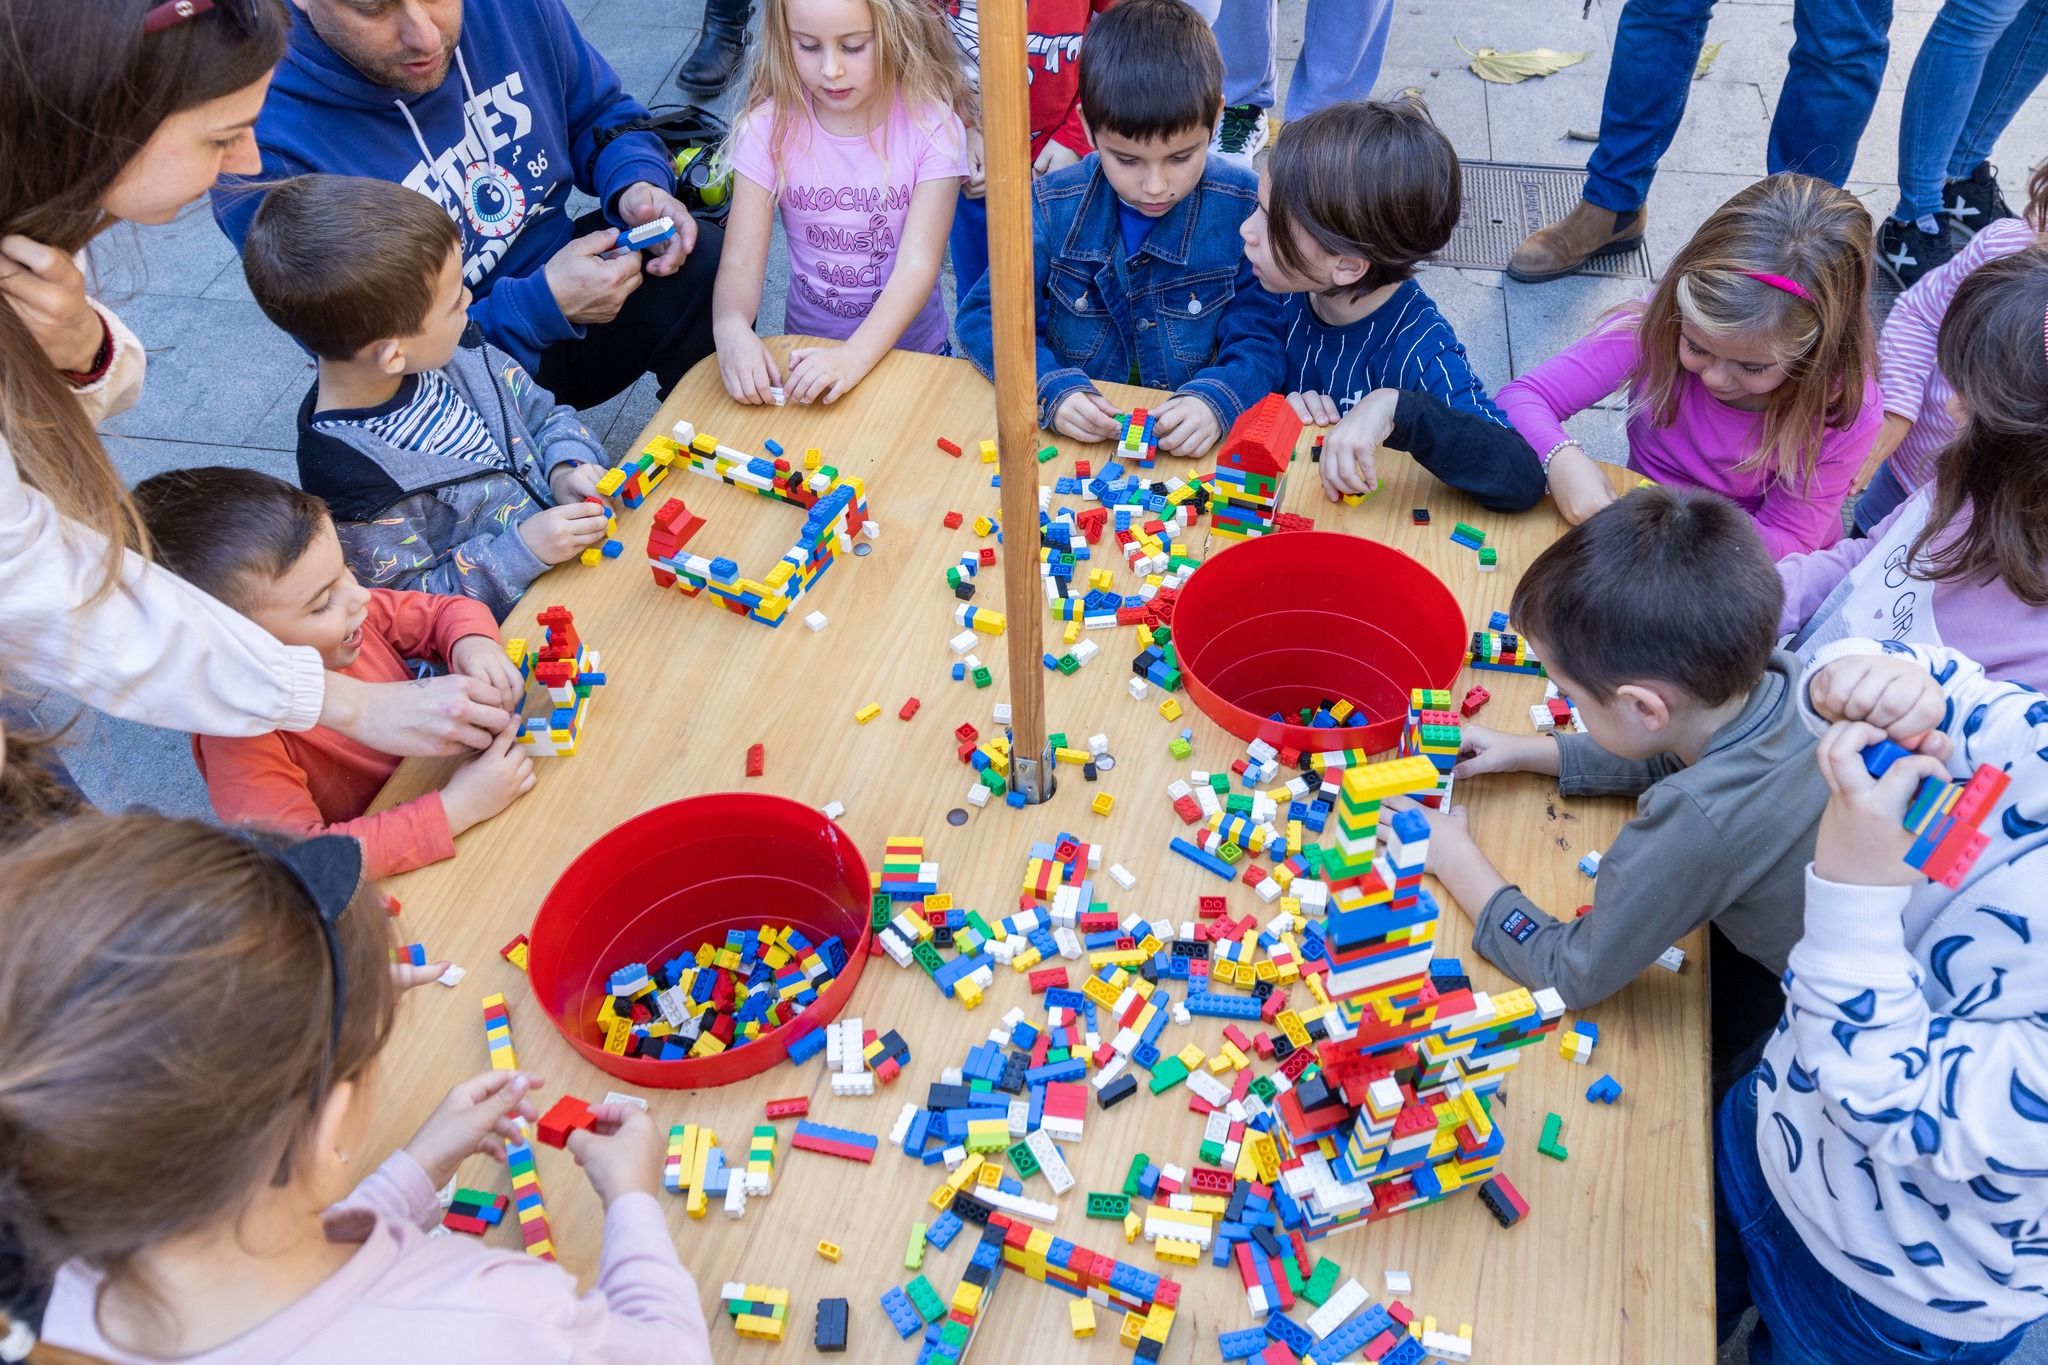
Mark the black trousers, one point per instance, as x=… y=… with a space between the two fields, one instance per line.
x=664 y=327
x=1745 y=1002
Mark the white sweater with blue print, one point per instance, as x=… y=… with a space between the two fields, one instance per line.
x=1902 y=1107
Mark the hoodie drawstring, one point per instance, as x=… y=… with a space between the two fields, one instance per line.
x=469 y=102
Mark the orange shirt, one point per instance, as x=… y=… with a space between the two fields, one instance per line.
x=320 y=781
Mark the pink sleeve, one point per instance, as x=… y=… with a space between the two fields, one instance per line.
x=944 y=155
x=1799 y=520
x=1905 y=352
x=1571 y=381
x=644 y=1302
x=750 y=152
x=398 y=1191
x=1810 y=577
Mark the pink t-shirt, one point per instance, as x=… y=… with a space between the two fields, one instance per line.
x=843 y=203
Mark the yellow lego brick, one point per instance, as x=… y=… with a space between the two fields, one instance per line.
x=966 y=1298
x=1127 y=1331
x=1158 y=1322
x=1192 y=1056
x=967 y=993
x=1081 y=1317
x=830 y=1251
x=868 y=712
x=1133 y=1225
x=1177 y=1252
x=1024 y=961
x=990 y=1174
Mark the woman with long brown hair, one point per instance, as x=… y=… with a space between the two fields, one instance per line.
x=131 y=109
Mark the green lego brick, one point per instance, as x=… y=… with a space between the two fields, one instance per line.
x=1179 y=747
x=1240 y=803
x=1047 y=454
x=1139 y=1161
x=1322 y=1282
x=1170 y=1072
x=1264 y=1088
x=982 y=677
x=1024 y=1160
x=927 y=957
x=925 y=1299
x=1548 y=1144
x=913 y=1256
x=1068 y=665
x=1056 y=740
x=1292 y=1268
x=881 y=910
x=1220 y=783
x=1112 y=1206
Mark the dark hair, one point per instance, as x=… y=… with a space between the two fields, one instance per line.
x=219 y=528
x=342 y=262
x=1370 y=178
x=1666 y=584
x=1991 y=350
x=1150 y=70
x=171 y=937
x=33 y=794
x=82 y=90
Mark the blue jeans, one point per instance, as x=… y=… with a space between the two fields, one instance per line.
x=1880 y=499
x=969 y=244
x=1981 y=60
x=1806 y=1314
x=1838 y=55
x=1343 y=44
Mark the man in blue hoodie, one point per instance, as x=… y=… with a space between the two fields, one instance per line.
x=498 y=120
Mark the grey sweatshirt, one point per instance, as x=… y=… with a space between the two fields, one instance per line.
x=1726 y=840
x=435 y=523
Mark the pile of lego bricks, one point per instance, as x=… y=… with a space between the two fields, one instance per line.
x=724 y=996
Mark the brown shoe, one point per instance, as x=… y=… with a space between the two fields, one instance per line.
x=1551 y=253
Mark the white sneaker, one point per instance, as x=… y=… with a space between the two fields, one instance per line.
x=1240 y=134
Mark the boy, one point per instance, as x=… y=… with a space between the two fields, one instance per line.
x=1882 y=1178
x=447 y=468
x=1352 y=199
x=1657 y=616
x=1139 y=277
x=270 y=552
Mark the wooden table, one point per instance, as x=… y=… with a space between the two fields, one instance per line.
x=1613 y=1264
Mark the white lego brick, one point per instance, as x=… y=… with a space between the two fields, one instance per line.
x=1109 y=1073
x=1002 y=713
x=1399 y=1283
x=1068 y=942
x=735 y=1196
x=1036 y=1210
x=1347 y=1300
x=1449 y=1347
x=621 y=1097
x=1019 y=1117
x=963 y=642
x=816 y=620
x=834 y=809
x=1138 y=688
x=1180 y=1013
x=682 y=433
x=977 y=796
x=1672 y=959
x=453 y=976
x=1121 y=877
x=871 y=528
x=863 y=1084
x=899 y=1131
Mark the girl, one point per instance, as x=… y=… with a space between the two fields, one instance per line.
x=853 y=127
x=1351 y=200
x=131 y=109
x=1917 y=422
x=240 y=1240
x=1882 y=1176
x=1964 y=561
x=1748 y=368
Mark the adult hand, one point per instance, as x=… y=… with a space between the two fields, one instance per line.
x=587 y=287
x=621 y=1154
x=47 y=290
x=820 y=374
x=428 y=717
x=1086 y=415
x=1184 y=425
x=1863 y=839
x=642 y=202
x=1578 y=484
x=483 y=658
x=557 y=535
x=478 y=1115
x=745 y=364
x=1057 y=156
x=976 y=184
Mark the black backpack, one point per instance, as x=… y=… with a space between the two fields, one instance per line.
x=694 y=137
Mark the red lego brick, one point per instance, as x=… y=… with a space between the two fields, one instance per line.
x=1212 y=906
x=951 y=521
x=966 y=734
x=757 y=757
x=1083 y=469
x=988 y=555
x=909 y=709
x=568 y=1115
x=1048 y=978
x=1580 y=911
x=795 y=1107
x=1474 y=699
x=949 y=447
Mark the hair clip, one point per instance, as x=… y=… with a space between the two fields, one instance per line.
x=1790 y=286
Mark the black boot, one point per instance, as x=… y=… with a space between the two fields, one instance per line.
x=721 y=48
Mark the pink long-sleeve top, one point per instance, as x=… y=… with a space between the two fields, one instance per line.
x=1914 y=386
x=1703 y=446
x=407 y=1296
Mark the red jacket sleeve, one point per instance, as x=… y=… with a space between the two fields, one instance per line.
x=425 y=625
x=257 y=781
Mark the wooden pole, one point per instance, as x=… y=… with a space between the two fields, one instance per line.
x=1006 y=141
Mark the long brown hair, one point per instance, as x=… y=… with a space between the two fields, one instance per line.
x=1810 y=233
x=915 y=58
x=81 y=91
x=165 y=1017
x=1993 y=349
x=32 y=795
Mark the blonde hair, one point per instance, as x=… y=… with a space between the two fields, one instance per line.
x=915 y=60
x=1808 y=232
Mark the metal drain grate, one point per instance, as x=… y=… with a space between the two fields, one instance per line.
x=1505 y=201
x=1884 y=292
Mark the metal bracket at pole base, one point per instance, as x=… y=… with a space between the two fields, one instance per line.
x=1034 y=778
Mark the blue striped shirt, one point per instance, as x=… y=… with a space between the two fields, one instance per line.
x=426 y=415
x=1405 y=343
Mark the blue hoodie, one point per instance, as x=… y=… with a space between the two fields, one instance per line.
x=499 y=144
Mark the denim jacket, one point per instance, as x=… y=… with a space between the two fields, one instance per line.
x=1186 y=305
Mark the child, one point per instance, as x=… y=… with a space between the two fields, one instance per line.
x=1748 y=368
x=1917 y=423
x=852 y=125
x=1962 y=562
x=1351 y=199
x=1052 y=50
x=1688 y=709
x=270 y=551
x=449 y=470
x=1882 y=1182
x=1138 y=270
x=242 y=1240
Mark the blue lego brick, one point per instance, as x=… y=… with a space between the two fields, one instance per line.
x=1606 y=1090
x=1223 y=1006
x=902 y=1315
x=1206 y=861
x=1243 y=1344
x=944 y=1229
x=1407 y=1351
x=805 y=1046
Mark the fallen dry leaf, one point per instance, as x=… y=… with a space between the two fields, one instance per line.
x=1511 y=68
x=1706 y=62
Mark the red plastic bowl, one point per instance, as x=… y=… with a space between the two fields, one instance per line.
x=1283 y=621
x=678 y=876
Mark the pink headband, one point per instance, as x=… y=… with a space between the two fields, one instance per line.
x=1792 y=287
